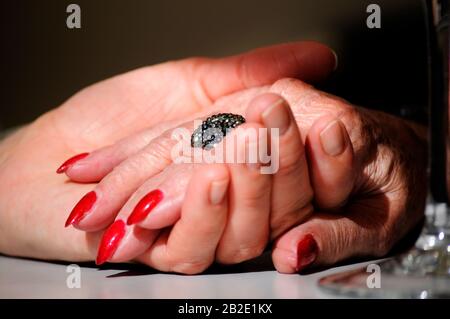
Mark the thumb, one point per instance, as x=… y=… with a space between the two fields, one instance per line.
x=326 y=239
x=308 y=61
x=331 y=162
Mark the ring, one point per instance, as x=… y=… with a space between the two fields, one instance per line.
x=214 y=129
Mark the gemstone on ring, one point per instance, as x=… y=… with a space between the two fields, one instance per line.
x=214 y=129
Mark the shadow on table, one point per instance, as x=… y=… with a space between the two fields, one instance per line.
x=259 y=264
x=262 y=263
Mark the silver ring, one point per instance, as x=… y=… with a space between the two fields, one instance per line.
x=214 y=129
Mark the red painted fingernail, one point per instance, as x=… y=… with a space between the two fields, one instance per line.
x=145 y=206
x=110 y=240
x=306 y=252
x=70 y=162
x=81 y=208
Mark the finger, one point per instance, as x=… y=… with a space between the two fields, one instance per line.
x=328 y=238
x=92 y=167
x=157 y=205
x=308 y=61
x=247 y=230
x=191 y=244
x=213 y=78
x=158 y=202
x=330 y=158
x=99 y=208
x=164 y=194
x=291 y=190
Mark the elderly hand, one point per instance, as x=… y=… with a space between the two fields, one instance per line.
x=368 y=190
x=34 y=201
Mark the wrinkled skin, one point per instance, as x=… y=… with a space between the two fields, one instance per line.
x=35 y=201
x=386 y=199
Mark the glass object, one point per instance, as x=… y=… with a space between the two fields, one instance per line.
x=424 y=271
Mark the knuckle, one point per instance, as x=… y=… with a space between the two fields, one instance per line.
x=281 y=85
x=291 y=163
x=124 y=171
x=160 y=148
x=241 y=254
x=255 y=198
x=209 y=227
x=190 y=267
x=181 y=261
x=155 y=156
x=304 y=98
x=117 y=178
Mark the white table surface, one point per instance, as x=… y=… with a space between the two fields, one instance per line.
x=22 y=278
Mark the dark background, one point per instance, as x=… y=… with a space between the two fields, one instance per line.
x=43 y=62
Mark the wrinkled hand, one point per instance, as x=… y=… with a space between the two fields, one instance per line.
x=34 y=201
x=368 y=190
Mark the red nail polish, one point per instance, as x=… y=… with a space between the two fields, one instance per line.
x=81 y=208
x=145 y=206
x=70 y=162
x=306 y=252
x=110 y=240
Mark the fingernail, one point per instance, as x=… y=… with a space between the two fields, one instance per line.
x=145 y=206
x=217 y=191
x=81 y=208
x=65 y=166
x=276 y=116
x=110 y=240
x=306 y=252
x=336 y=60
x=332 y=139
